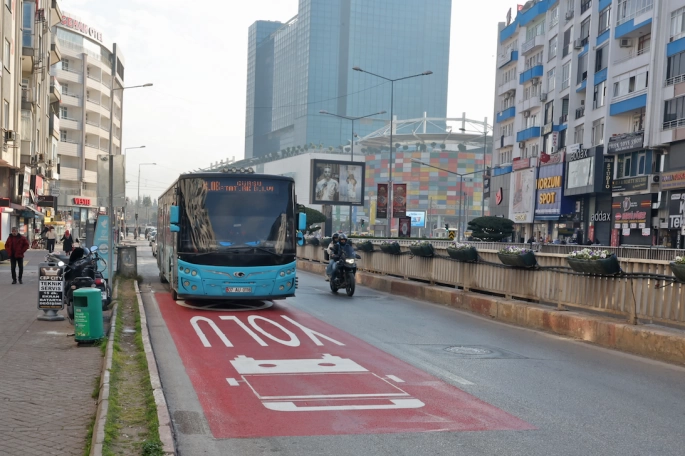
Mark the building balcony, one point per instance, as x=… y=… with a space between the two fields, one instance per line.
x=580 y=112
x=28 y=58
x=509 y=86
x=55 y=90
x=69 y=174
x=505 y=141
x=628 y=103
x=563 y=119
x=92 y=128
x=92 y=151
x=636 y=19
x=71 y=100
x=68 y=75
x=531 y=103
x=55 y=13
x=506 y=58
x=69 y=124
x=506 y=114
x=55 y=53
x=69 y=149
x=533 y=44
x=90 y=177
x=535 y=72
x=528 y=133
x=55 y=126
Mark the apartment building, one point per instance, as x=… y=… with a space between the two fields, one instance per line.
x=587 y=109
x=29 y=114
x=85 y=77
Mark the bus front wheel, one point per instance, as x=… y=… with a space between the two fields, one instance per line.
x=174 y=295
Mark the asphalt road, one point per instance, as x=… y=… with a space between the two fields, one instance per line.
x=541 y=394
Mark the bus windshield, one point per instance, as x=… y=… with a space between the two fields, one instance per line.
x=227 y=213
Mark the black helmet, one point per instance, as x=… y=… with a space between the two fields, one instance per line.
x=335 y=235
x=342 y=237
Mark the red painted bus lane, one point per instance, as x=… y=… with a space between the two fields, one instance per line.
x=282 y=372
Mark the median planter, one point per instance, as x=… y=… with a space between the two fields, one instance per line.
x=313 y=241
x=517 y=257
x=422 y=249
x=678 y=270
x=392 y=248
x=597 y=262
x=463 y=252
x=325 y=241
x=365 y=246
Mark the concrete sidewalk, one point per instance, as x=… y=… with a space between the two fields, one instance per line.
x=46 y=380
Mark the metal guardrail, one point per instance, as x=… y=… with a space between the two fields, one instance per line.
x=646 y=289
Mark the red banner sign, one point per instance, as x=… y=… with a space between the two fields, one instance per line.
x=82 y=201
x=399 y=200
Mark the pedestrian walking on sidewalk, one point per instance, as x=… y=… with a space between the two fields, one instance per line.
x=16 y=246
x=51 y=237
x=68 y=242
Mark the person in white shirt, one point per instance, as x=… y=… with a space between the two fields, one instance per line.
x=327 y=187
x=51 y=236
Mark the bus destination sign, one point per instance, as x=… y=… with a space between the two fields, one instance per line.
x=241 y=186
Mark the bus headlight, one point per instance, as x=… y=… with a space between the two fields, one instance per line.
x=282 y=274
x=186 y=284
x=187 y=271
x=289 y=271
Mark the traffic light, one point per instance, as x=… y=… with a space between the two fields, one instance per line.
x=447 y=226
x=362 y=223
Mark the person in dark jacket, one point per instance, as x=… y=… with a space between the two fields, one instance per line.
x=16 y=246
x=68 y=242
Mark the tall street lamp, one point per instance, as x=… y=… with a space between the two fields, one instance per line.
x=130 y=148
x=461 y=188
x=110 y=208
x=138 y=200
x=392 y=122
x=351 y=142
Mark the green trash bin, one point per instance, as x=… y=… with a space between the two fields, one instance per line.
x=88 y=315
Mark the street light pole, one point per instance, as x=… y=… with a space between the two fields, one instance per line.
x=138 y=199
x=110 y=206
x=351 y=144
x=392 y=123
x=130 y=148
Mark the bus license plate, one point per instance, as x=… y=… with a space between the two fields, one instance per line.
x=238 y=289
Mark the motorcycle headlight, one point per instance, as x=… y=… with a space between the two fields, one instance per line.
x=60 y=264
x=350 y=261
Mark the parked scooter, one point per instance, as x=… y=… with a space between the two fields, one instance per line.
x=345 y=271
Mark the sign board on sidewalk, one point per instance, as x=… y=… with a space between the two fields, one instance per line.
x=50 y=286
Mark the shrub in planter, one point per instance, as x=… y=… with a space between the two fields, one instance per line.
x=391 y=247
x=462 y=252
x=365 y=246
x=678 y=268
x=313 y=241
x=517 y=257
x=325 y=241
x=422 y=249
x=599 y=262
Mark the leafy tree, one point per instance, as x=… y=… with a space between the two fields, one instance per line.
x=461 y=147
x=314 y=217
x=490 y=228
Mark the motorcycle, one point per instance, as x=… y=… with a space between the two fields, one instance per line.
x=79 y=272
x=345 y=271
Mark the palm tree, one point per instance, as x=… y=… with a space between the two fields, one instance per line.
x=443 y=146
x=397 y=146
x=433 y=144
x=405 y=147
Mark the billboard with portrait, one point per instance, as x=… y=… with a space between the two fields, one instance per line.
x=581 y=173
x=337 y=182
x=522 y=195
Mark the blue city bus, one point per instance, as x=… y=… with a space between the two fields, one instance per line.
x=229 y=235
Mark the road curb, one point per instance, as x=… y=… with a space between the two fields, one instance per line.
x=165 y=433
x=103 y=398
x=650 y=342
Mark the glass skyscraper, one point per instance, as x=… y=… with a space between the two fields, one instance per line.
x=303 y=66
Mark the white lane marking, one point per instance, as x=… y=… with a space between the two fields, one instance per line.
x=395 y=379
x=232 y=381
x=455 y=378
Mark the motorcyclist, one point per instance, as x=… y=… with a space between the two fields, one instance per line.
x=329 y=249
x=337 y=252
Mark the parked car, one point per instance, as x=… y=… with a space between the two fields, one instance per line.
x=151 y=235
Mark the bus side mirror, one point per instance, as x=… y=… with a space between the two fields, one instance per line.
x=302 y=221
x=174 y=228
x=174 y=215
x=300 y=238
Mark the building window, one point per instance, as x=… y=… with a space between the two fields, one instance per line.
x=624 y=167
x=601 y=58
x=638 y=122
x=604 y=20
x=63 y=136
x=6 y=115
x=677 y=23
x=631 y=84
x=585 y=31
x=578 y=134
x=567 y=42
x=641 y=164
x=549 y=112
x=674 y=112
x=505 y=156
x=7 y=56
x=565 y=75
x=598 y=132
x=551 y=80
x=534 y=30
x=63 y=112
x=599 y=95
x=582 y=68
x=552 y=48
x=553 y=17
x=643 y=43
x=585 y=5
x=65 y=64
x=675 y=68
x=65 y=89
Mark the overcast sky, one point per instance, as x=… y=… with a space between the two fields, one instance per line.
x=195 y=53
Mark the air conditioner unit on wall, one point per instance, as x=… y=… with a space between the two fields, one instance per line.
x=10 y=135
x=522 y=145
x=526 y=113
x=569 y=15
x=625 y=42
x=543 y=97
x=578 y=44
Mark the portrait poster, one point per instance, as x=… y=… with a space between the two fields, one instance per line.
x=399 y=203
x=405 y=227
x=382 y=202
